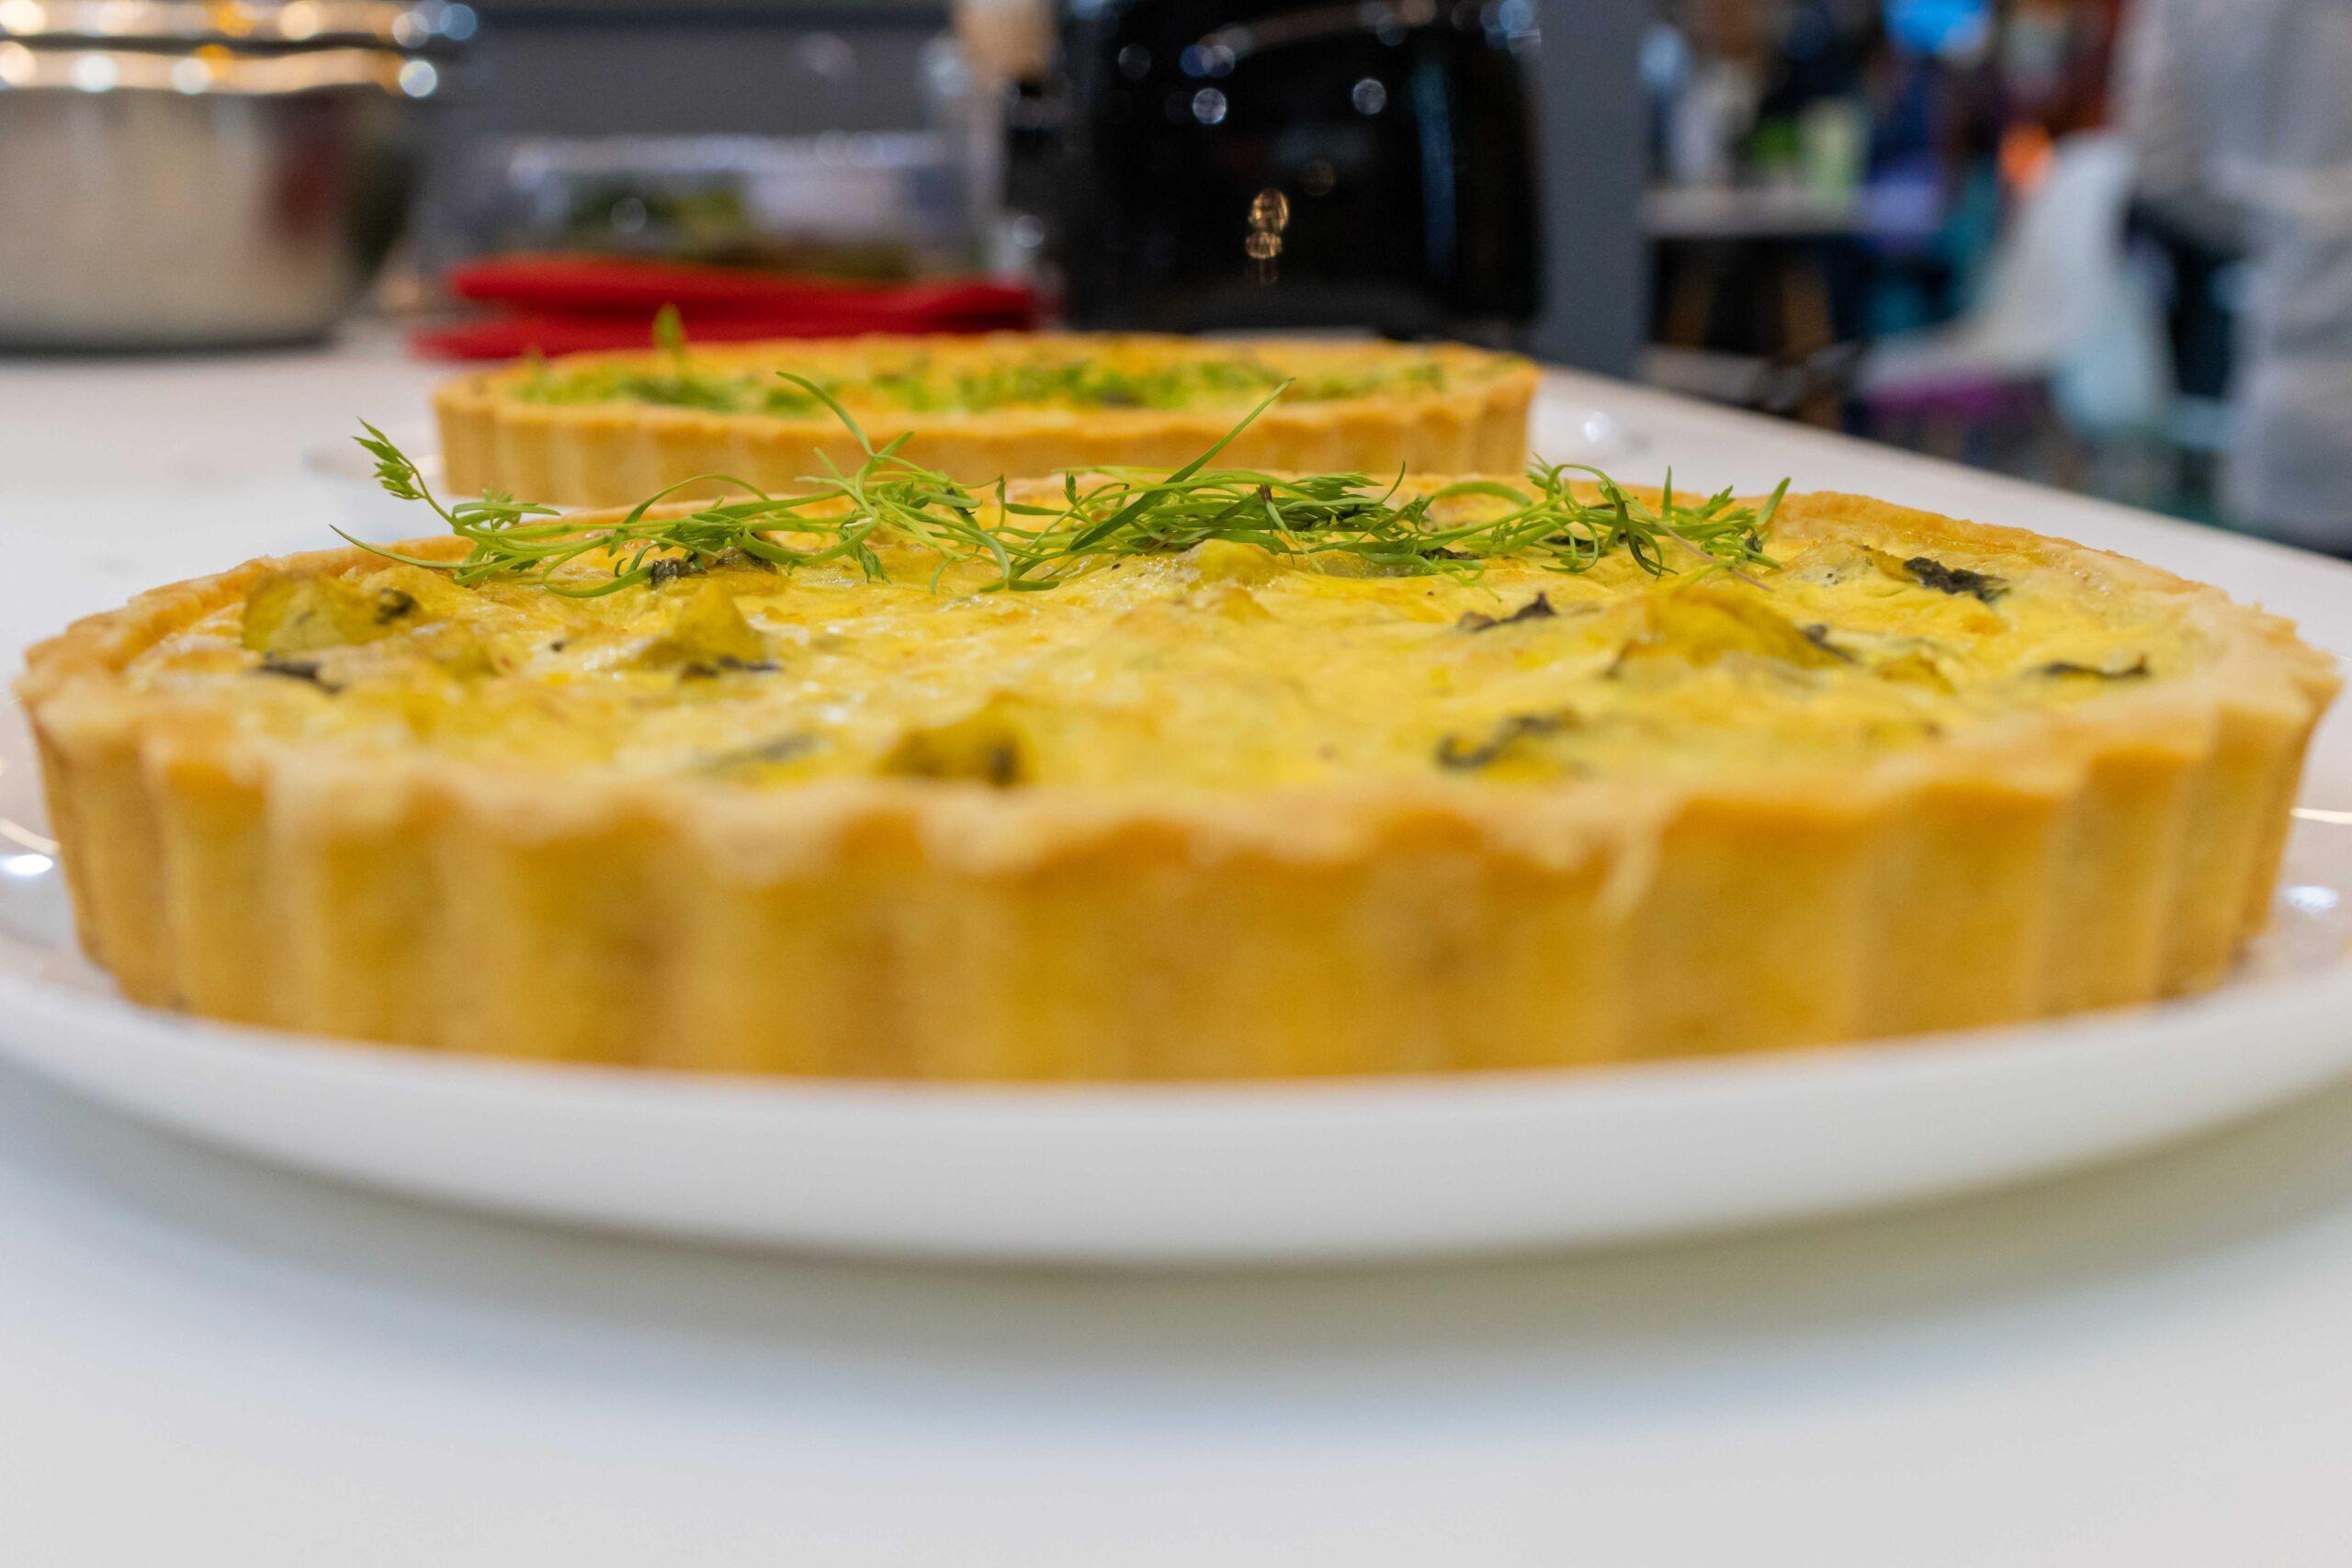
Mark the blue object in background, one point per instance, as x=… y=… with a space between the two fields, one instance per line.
x=1940 y=26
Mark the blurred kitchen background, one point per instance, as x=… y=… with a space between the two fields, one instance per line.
x=1913 y=219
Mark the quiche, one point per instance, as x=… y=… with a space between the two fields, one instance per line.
x=1276 y=777
x=604 y=430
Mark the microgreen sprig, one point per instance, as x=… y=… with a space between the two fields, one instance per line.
x=1566 y=517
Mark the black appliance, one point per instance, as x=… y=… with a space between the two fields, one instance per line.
x=1257 y=164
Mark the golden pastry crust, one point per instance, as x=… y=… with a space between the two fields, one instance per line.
x=614 y=453
x=2113 y=850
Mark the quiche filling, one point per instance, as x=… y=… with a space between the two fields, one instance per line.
x=1221 y=667
x=1042 y=374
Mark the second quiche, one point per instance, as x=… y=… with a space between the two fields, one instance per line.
x=604 y=430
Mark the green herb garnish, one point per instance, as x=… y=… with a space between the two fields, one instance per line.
x=1317 y=520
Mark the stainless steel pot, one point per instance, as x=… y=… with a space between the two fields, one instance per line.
x=200 y=176
x=245 y=24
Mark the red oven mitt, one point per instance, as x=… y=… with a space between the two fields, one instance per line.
x=563 y=304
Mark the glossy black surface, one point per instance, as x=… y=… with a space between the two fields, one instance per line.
x=1299 y=163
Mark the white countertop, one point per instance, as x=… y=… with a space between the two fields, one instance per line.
x=202 y=1360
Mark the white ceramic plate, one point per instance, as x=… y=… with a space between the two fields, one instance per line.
x=1162 y=1175
x=1169 y=1175
x=1567 y=431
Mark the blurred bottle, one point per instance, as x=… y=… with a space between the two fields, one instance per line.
x=988 y=91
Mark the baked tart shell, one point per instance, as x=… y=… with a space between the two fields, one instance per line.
x=615 y=454
x=2111 y=853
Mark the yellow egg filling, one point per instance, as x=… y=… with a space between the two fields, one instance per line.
x=1222 y=668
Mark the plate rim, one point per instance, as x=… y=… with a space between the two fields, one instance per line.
x=2252 y=1003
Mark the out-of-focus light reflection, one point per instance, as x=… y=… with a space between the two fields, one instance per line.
x=2312 y=899
x=96 y=74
